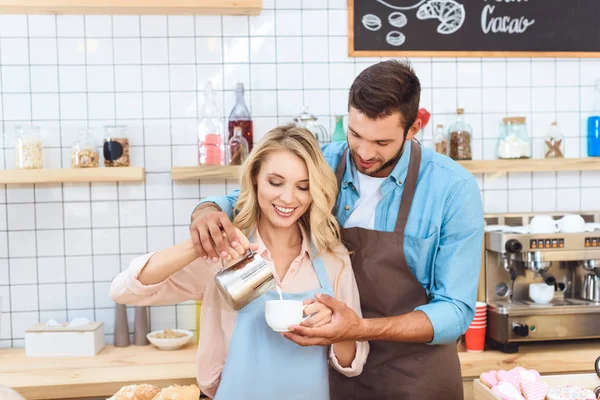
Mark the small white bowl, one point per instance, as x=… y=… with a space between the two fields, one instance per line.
x=170 y=344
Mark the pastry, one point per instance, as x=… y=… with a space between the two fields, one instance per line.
x=489 y=379
x=176 y=392
x=527 y=375
x=513 y=377
x=534 y=390
x=507 y=391
x=570 y=392
x=136 y=392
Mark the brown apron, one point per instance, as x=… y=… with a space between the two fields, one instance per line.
x=387 y=287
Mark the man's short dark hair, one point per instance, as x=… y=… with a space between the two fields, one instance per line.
x=386 y=88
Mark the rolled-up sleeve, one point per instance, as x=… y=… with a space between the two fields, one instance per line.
x=346 y=291
x=226 y=203
x=457 y=264
x=186 y=284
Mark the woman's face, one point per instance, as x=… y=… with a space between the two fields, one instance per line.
x=282 y=188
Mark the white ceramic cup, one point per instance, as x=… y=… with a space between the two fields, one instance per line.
x=541 y=293
x=280 y=314
x=571 y=223
x=543 y=224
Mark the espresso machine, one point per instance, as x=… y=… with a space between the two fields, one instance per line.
x=570 y=262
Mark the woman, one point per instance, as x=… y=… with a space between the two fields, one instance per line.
x=286 y=196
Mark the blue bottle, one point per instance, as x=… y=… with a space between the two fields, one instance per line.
x=593 y=125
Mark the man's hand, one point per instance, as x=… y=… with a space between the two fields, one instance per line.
x=215 y=236
x=345 y=325
x=319 y=313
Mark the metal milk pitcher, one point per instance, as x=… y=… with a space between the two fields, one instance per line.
x=245 y=280
x=591 y=287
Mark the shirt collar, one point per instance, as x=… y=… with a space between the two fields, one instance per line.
x=398 y=174
x=264 y=252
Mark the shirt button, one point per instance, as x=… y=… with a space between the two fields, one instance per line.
x=347 y=208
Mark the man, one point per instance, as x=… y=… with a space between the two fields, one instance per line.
x=414 y=222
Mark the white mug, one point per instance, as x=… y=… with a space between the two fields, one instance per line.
x=571 y=223
x=541 y=293
x=543 y=224
x=280 y=314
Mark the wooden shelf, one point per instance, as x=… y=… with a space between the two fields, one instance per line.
x=532 y=165
x=59 y=175
x=205 y=172
x=173 y=7
x=474 y=166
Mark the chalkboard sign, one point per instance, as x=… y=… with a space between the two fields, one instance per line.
x=474 y=28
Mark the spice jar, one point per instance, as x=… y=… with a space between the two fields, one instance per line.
x=514 y=140
x=553 y=143
x=28 y=148
x=83 y=153
x=460 y=137
x=440 y=140
x=116 y=146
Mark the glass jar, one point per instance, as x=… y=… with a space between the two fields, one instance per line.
x=514 y=141
x=237 y=148
x=211 y=150
x=553 y=143
x=240 y=116
x=460 y=137
x=309 y=121
x=440 y=140
x=593 y=125
x=116 y=146
x=83 y=152
x=339 y=135
x=29 y=148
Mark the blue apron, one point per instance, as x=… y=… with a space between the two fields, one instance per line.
x=262 y=364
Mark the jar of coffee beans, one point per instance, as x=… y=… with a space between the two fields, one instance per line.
x=84 y=153
x=460 y=138
x=116 y=146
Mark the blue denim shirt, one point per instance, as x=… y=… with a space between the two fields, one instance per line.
x=443 y=235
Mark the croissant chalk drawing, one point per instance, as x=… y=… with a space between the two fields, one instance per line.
x=450 y=14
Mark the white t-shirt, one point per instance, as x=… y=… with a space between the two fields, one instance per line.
x=370 y=192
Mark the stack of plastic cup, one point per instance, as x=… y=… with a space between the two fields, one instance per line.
x=475 y=335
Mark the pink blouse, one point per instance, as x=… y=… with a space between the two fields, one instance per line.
x=196 y=282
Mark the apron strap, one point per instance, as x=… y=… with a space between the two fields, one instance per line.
x=410 y=185
x=341 y=168
x=320 y=269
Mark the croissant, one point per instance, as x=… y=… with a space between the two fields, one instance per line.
x=136 y=392
x=176 y=392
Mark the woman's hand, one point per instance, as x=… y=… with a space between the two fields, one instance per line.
x=319 y=312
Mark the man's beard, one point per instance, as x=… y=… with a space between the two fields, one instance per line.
x=390 y=162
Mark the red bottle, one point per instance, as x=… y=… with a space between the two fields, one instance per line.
x=240 y=116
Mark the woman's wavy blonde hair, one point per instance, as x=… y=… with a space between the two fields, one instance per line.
x=318 y=220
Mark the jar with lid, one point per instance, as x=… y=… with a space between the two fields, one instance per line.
x=553 y=143
x=116 y=146
x=514 y=141
x=460 y=137
x=440 y=140
x=211 y=150
x=310 y=122
x=84 y=153
x=29 y=148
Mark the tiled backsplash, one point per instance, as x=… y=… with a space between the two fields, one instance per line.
x=60 y=245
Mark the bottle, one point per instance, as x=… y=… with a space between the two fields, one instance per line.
x=460 y=137
x=553 y=143
x=593 y=125
x=237 y=149
x=121 y=326
x=141 y=328
x=210 y=132
x=339 y=135
x=84 y=153
x=116 y=146
x=440 y=140
x=240 y=116
x=28 y=148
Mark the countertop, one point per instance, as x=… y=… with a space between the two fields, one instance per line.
x=112 y=368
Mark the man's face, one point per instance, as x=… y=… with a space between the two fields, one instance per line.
x=376 y=145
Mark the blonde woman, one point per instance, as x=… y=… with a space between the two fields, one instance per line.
x=287 y=193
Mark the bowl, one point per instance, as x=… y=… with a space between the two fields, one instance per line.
x=173 y=343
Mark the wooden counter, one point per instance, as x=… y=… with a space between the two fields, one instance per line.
x=112 y=368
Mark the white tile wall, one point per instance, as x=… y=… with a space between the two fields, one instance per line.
x=60 y=245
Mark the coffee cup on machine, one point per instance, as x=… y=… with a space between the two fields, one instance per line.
x=543 y=224
x=571 y=223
